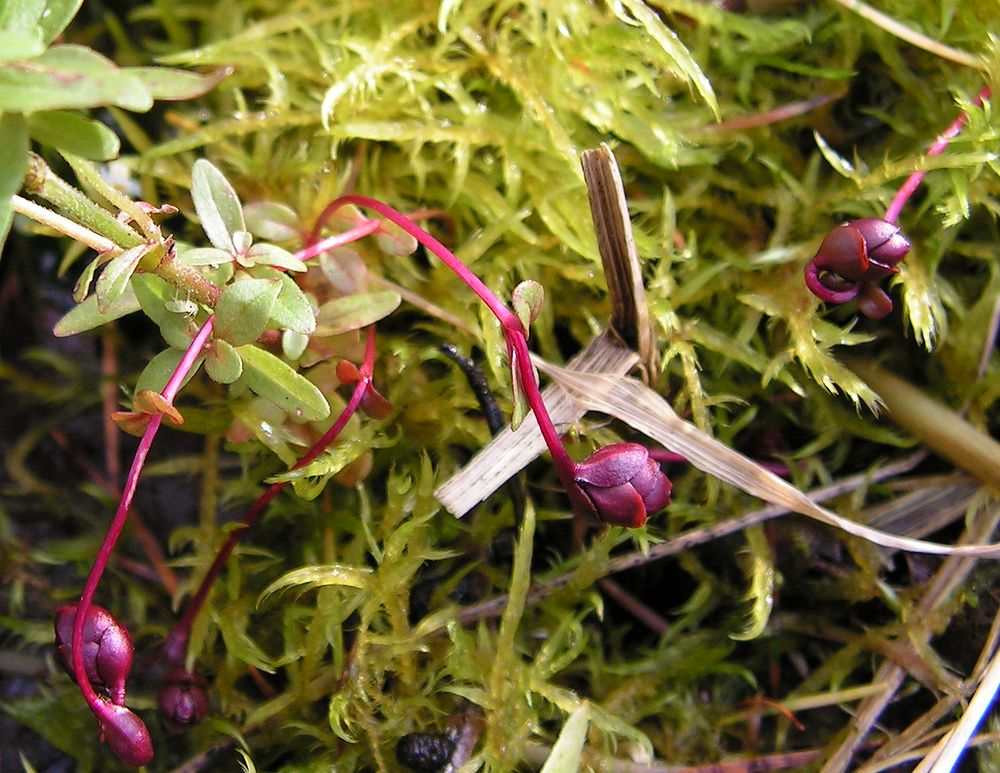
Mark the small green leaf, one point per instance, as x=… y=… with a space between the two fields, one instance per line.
x=157 y=373
x=87 y=315
x=292 y=310
x=354 y=312
x=21 y=44
x=223 y=363
x=293 y=344
x=837 y=161
x=273 y=380
x=272 y=255
x=66 y=77
x=520 y=408
x=74 y=133
x=244 y=308
x=272 y=221
x=56 y=16
x=116 y=275
x=204 y=256
x=527 y=300
x=567 y=751
x=171 y=84
x=13 y=161
x=217 y=205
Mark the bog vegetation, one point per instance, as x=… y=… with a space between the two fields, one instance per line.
x=236 y=282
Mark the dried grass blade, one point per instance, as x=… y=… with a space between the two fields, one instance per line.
x=511 y=450
x=645 y=410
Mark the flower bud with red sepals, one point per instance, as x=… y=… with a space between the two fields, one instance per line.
x=623 y=483
x=107 y=649
x=182 y=700
x=852 y=259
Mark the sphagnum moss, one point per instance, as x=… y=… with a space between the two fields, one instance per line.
x=479 y=111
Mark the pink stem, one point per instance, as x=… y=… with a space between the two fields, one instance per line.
x=339 y=240
x=175 y=646
x=913 y=181
x=514 y=333
x=121 y=514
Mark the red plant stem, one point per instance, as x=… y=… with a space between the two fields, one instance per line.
x=316 y=248
x=513 y=330
x=121 y=514
x=913 y=181
x=175 y=645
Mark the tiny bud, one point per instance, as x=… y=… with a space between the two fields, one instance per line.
x=623 y=483
x=873 y=302
x=883 y=240
x=107 y=649
x=425 y=752
x=126 y=735
x=182 y=700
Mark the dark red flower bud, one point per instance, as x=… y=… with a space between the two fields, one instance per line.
x=126 y=734
x=873 y=302
x=107 y=649
x=852 y=259
x=182 y=700
x=884 y=242
x=624 y=484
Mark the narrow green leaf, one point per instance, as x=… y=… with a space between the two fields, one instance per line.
x=82 y=287
x=272 y=255
x=69 y=77
x=273 y=380
x=292 y=310
x=244 y=309
x=158 y=371
x=217 y=205
x=171 y=84
x=74 y=133
x=13 y=161
x=527 y=300
x=520 y=408
x=88 y=316
x=116 y=275
x=353 y=312
x=204 y=256
x=319 y=576
x=223 y=363
x=678 y=58
x=567 y=751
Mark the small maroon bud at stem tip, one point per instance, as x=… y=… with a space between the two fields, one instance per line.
x=624 y=484
x=126 y=735
x=182 y=700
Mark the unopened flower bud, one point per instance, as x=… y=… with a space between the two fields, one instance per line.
x=624 y=484
x=126 y=735
x=852 y=259
x=107 y=649
x=182 y=700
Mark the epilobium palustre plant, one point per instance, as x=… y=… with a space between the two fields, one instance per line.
x=356 y=625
